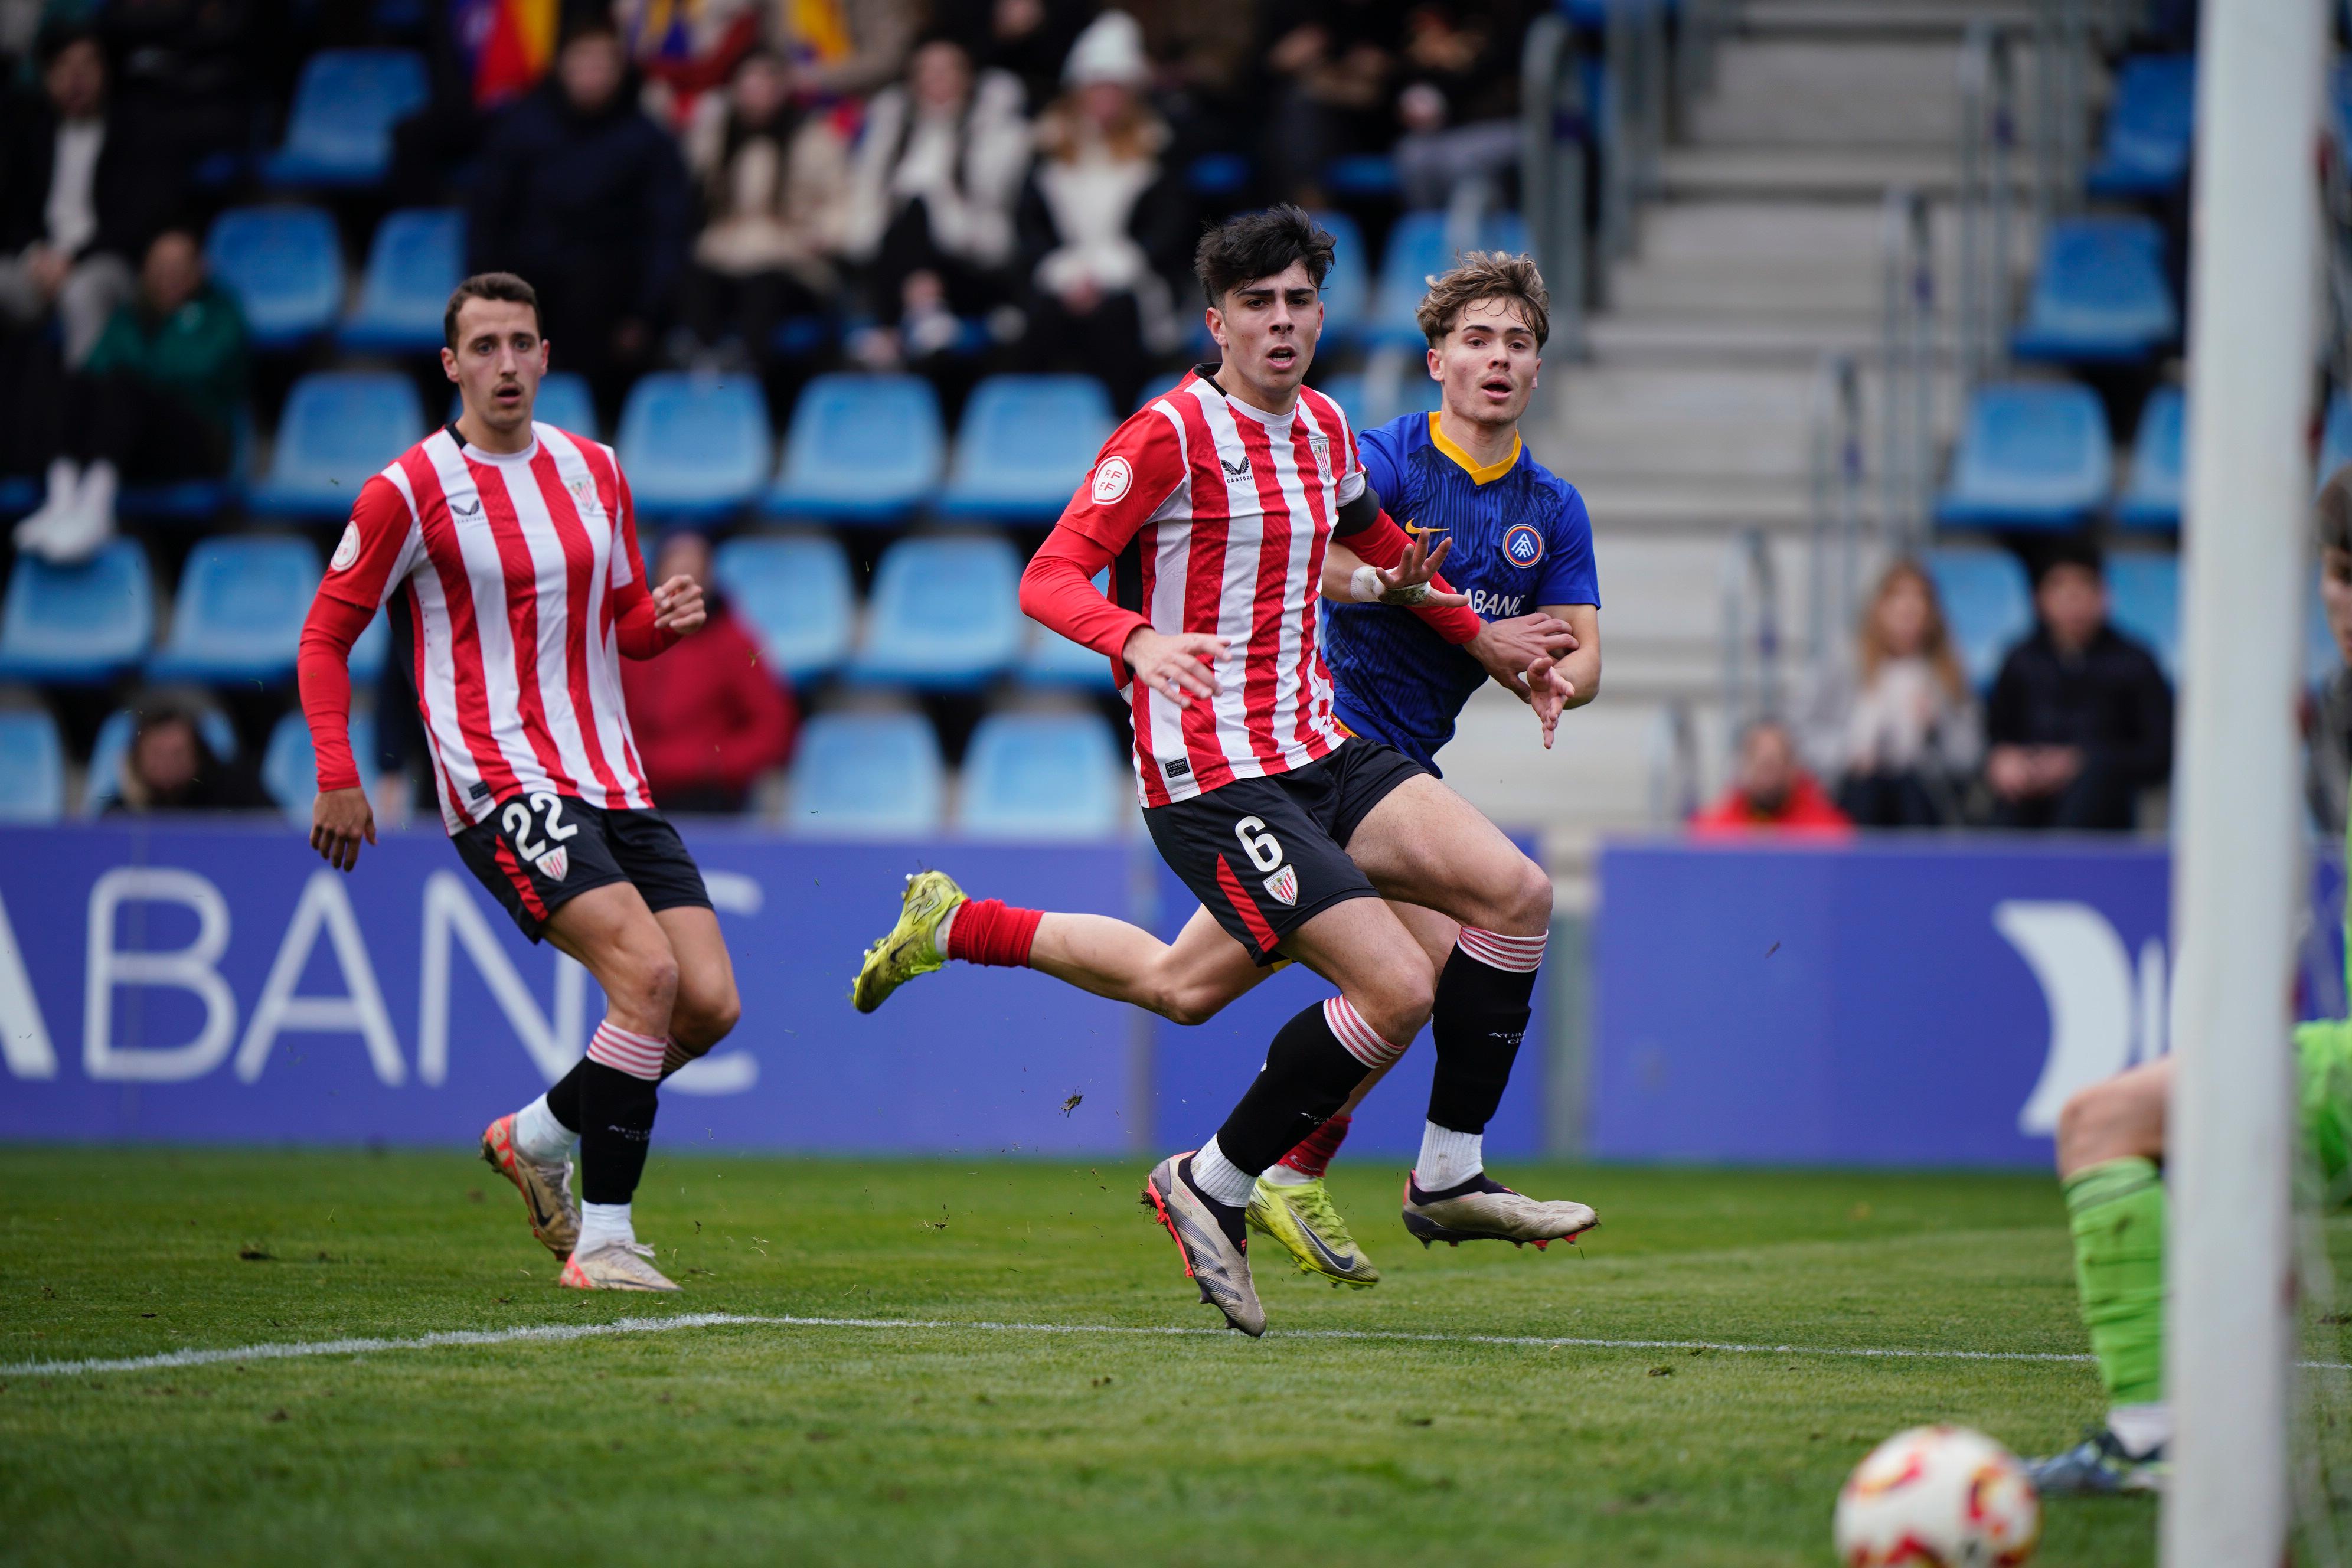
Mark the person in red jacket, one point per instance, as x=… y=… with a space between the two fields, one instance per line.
x=1772 y=793
x=712 y=716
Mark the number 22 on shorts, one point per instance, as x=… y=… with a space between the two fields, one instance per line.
x=544 y=812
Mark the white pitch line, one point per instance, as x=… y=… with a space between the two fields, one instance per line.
x=556 y=1332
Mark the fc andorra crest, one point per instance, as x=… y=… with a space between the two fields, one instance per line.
x=554 y=864
x=1284 y=886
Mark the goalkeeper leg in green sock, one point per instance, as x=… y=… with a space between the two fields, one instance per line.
x=2110 y=1149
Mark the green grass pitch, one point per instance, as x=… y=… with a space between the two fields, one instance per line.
x=775 y=1444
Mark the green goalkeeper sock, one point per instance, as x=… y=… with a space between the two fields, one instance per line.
x=2117 y=1209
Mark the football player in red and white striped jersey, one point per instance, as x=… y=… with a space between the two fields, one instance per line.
x=1217 y=510
x=510 y=548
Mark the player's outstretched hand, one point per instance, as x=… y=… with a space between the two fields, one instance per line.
x=1407 y=582
x=1507 y=648
x=1551 y=692
x=1178 y=667
x=677 y=607
x=340 y=818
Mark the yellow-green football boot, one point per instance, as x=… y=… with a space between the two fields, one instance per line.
x=1302 y=1219
x=909 y=949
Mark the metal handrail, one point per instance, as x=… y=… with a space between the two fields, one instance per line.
x=1989 y=131
x=1906 y=369
x=2062 y=72
x=1555 y=131
x=1833 y=542
x=1751 y=632
x=1636 y=84
x=1674 y=765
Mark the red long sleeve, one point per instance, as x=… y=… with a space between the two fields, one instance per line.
x=323 y=667
x=1383 y=544
x=1057 y=592
x=632 y=601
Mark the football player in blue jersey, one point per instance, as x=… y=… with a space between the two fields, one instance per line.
x=1520 y=546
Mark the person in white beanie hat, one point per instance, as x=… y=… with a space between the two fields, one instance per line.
x=1104 y=219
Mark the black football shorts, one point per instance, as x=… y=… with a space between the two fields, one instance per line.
x=1266 y=855
x=535 y=852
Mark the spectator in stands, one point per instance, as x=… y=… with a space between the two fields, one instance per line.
x=484 y=53
x=192 y=67
x=774 y=196
x=2081 y=718
x=1460 y=103
x=709 y=724
x=168 y=767
x=2329 y=763
x=155 y=402
x=686 y=50
x=583 y=194
x=1028 y=40
x=1331 y=65
x=1770 y=791
x=1104 y=223
x=845 y=49
x=82 y=190
x=1898 y=728
x=931 y=200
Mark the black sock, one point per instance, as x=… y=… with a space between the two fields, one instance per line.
x=616 y=1128
x=1308 y=1075
x=563 y=1098
x=1480 y=1017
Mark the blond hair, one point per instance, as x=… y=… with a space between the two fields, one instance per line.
x=1485 y=275
x=1935 y=645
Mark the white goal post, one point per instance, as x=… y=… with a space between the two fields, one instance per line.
x=2229 y=1348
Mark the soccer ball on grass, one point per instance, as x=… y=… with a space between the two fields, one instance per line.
x=1937 y=1497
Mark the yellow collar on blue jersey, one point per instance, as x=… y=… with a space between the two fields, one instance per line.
x=1479 y=476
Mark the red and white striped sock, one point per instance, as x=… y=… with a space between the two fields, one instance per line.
x=988 y=931
x=1512 y=954
x=1307 y=1161
x=639 y=1056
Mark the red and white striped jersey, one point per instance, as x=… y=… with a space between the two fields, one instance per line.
x=507 y=566
x=1219 y=515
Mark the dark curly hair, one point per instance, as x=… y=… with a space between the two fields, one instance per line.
x=1259 y=244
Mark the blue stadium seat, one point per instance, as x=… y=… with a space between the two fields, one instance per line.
x=1417 y=250
x=565 y=402
x=1218 y=174
x=286 y=267
x=862 y=449
x=1362 y=176
x=867 y=775
x=368 y=653
x=2033 y=454
x=694 y=446
x=104 y=780
x=78 y=625
x=2151 y=124
x=1347 y=287
x=2152 y=492
x=194 y=501
x=2100 y=295
x=1987 y=605
x=1369 y=400
x=793 y=591
x=2335 y=436
x=289 y=767
x=345 y=104
x=238 y=614
x=2144 y=604
x=1043 y=775
x=339 y=429
x=943 y=614
x=1053 y=660
x=418 y=254
x=32 y=766
x=1025 y=444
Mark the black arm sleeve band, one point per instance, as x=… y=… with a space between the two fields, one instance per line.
x=1358 y=514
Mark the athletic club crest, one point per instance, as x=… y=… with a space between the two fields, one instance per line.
x=1523 y=546
x=554 y=864
x=1321 y=447
x=1284 y=886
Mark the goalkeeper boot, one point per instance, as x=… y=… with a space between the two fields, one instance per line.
x=1302 y=1219
x=1483 y=1209
x=545 y=1186
x=615 y=1266
x=907 y=950
x=2099 y=1466
x=1218 y=1260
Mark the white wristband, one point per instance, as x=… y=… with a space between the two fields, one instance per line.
x=1365 y=586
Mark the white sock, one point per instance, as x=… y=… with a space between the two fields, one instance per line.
x=1448 y=1158
x=1220 y=1178
x=84 y=528
x=2141 y=1428
x=939 y=933
x=602 y=1223
x=537 y=1135
x=1281 y=1175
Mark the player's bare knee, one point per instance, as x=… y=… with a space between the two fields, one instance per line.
x=700 y=1022
x=1185 y=1002
x=1396 y=1002
x=644 y=980
x=1526 y=903
x=2094 y=1124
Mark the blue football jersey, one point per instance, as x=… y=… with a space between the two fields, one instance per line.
x=1522 y=540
